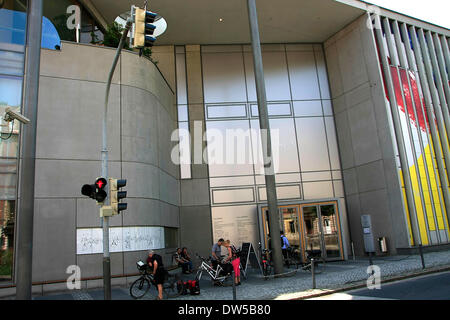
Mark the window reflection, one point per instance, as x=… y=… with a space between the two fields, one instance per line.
x=12 y=26
x=7 y=222
x=13 y=18
x=11 y=63
x=10 y=91
x=13 y=29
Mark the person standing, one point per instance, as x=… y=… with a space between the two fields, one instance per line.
x=226 y=262
x=236 y=262
x=155 y=262
x=284 y=247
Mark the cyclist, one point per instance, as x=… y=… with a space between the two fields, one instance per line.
x=155 y=262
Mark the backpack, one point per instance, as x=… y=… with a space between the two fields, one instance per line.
x=235 y=252
x=193 y=286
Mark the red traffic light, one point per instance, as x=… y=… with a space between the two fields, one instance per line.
x=101 y=183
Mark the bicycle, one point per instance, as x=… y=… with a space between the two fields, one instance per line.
x=172 y=286
x=316 y=254
x=293 y=257
x=218 y=275
x=266 y=263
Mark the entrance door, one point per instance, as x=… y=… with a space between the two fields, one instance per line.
x=313 y=230
x=330 y=231
x=308 y=226
x=322 y=230
x=291 y=227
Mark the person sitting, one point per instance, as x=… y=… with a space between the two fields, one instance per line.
x=187 y=258
x=216 y=253
x=216 y=257
x=184 y=264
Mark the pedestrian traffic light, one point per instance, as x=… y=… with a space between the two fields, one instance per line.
x=95 y=191
x=143 y=28
x=116 y=195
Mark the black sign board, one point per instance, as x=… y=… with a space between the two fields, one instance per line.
x=248 y=254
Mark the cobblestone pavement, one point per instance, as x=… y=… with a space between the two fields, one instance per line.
x=331 y=276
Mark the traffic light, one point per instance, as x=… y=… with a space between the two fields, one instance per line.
x=143 y=28
x=95 y=191
x=116 y=195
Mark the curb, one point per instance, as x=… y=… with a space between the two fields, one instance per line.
x=362 y=283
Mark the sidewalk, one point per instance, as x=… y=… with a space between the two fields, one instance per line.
x=333 y=276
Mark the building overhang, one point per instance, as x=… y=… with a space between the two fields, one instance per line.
x=281 y=21
x=226 y=22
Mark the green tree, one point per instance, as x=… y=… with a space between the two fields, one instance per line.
x=112 y=36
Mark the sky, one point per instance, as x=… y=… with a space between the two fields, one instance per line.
x=433 y=11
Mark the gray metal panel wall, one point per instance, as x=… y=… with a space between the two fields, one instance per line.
x=365 y=136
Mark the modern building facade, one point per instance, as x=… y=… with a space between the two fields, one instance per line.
x=358 y=105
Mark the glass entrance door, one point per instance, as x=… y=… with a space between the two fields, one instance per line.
x=312 y=228
x=308 y=226
x=292 y=227
x=330 y=231
x=322 y=230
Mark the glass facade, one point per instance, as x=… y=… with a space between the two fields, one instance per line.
x=12 y=41
x=302 y=130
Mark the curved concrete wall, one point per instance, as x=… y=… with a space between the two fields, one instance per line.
x=141 y=118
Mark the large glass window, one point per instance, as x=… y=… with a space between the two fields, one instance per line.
x=11 y=71
x=12 y=41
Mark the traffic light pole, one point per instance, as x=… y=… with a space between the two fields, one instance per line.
x=274 y=227
x=106 y=254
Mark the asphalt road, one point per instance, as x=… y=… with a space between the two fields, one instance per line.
x=429 y=287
